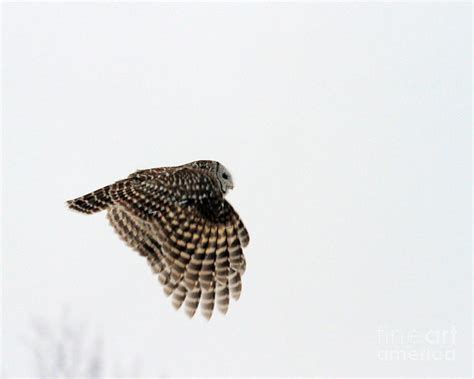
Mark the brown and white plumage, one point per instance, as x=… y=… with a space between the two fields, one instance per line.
x=178 y=219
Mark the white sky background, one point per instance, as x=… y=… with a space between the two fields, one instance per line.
x=346 y=128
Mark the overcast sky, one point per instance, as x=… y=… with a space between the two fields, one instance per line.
x=347 y=130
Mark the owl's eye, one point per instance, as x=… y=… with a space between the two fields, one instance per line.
x=225 y=176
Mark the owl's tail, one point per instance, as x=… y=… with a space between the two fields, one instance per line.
x=92 y=202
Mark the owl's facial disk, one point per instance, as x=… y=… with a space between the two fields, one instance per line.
x=225 y=178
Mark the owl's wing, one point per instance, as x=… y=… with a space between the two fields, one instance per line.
x=139 y=236
x=200 y=234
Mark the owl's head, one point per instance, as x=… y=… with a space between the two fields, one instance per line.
x=218 y=170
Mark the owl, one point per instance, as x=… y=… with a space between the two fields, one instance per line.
x=178 y=219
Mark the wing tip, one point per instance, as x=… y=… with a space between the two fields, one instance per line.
x=73 y=205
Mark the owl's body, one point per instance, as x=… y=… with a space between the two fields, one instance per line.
x=178 y=219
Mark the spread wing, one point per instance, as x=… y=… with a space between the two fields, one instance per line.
x=191 y=236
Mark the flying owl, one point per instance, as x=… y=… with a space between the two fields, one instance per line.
x=178 y=219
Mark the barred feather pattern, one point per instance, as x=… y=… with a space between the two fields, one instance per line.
x=178 y=219
x=92 y=202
